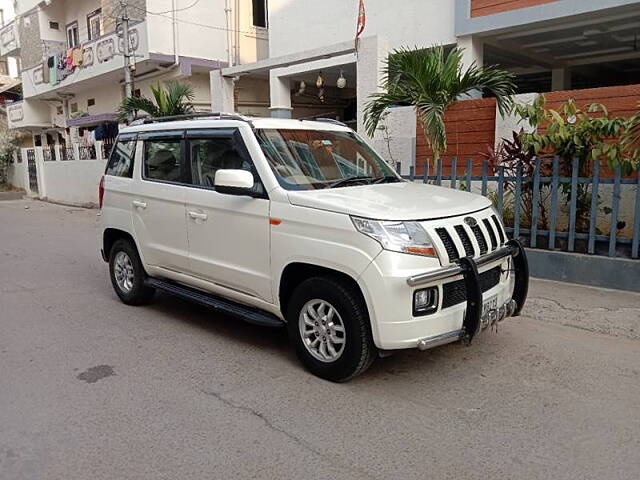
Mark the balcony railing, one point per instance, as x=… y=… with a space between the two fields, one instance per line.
x=100 y=56
x=9 y=40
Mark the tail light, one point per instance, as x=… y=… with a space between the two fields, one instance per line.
x=101 y=191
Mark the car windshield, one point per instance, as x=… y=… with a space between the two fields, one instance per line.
x=314 y=159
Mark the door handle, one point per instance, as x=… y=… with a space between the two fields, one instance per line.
x=198 y=216
x=139 y=204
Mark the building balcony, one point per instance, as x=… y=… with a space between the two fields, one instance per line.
x=9 y=40
x=101 y=56
x=28 y=115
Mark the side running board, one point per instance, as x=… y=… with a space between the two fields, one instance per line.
x=218 y=304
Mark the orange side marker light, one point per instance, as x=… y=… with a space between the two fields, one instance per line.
x=275 y=221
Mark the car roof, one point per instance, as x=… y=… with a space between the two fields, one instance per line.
x=234 y=120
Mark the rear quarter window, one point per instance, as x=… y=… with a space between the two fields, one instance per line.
x=121 y=159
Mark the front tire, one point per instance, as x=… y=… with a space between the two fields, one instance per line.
x=128 y=275
x=329 y=326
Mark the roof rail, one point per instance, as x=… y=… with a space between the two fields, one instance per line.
x=331 y=120
x=190 y=116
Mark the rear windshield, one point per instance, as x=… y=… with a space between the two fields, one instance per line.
x=313 y=159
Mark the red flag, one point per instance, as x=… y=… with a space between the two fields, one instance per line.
x=362 y=21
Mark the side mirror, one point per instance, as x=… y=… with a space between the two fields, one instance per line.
x=234 y=182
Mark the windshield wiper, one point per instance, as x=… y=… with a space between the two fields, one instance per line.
x=348 y=180
x=386 y=179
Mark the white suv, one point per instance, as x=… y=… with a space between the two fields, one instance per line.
x=300 y=223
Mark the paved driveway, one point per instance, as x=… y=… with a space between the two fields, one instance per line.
x=93 y=389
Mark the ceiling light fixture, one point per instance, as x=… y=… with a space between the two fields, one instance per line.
x=342 y=82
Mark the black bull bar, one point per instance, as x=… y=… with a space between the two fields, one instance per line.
x=468 y=268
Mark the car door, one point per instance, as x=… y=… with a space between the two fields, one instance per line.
x=228 y=233
x=158 y=201
x=118 y=181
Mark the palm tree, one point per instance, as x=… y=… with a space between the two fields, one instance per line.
x=172 y=99
x=430 y=81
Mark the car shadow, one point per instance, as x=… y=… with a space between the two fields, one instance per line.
x=434 y=366
x=220 y=324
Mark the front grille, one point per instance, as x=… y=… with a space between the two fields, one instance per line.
x=466 y=241
x=455 y=293
x=449 y=246
x=458 y=242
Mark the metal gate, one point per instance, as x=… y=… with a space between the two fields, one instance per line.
x=33 y=173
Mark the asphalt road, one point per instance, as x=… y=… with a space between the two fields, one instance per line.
x=93 y=389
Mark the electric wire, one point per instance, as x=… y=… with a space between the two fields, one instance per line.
x=173 y=11
x=187 y=22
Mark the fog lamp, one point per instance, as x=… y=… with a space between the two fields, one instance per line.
x=425 y=301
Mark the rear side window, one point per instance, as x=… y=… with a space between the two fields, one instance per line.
x=162 y=160
x=121 y=159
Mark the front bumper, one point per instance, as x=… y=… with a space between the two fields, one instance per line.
x=390 y=281
x=475 y=320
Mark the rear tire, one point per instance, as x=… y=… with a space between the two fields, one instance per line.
x=128 y=275
x=329 y=326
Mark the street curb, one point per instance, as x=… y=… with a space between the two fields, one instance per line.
x=614 y=273
x=11 y=196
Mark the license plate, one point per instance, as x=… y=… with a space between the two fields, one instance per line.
x=490 y=304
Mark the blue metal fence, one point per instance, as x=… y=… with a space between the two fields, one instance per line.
x=551 y=237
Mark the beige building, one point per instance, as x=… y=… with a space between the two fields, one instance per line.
x=71 y=54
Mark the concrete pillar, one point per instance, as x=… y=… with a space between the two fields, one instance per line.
x=76 y=150
x=473 y=54
x=473 y=50
x=280 y=91
x=511 y=122
x=560 y=79
x=25 y=172
x=40 y=175
x=372 y=53
x=221 y=92
x=398 y=143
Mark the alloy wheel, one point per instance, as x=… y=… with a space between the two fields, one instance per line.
x=123 y=271
x=322 y=330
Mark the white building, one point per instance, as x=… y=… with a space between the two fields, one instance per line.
x=8 y=64
x=550 y=45
x=170 y=40
x=311 y=39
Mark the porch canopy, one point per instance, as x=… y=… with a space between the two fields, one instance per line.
x=281 y=78
x=598 y=49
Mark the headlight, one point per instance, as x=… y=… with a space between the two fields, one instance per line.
x=403 y=237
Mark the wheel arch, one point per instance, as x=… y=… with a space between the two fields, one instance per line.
x=111 y=236
x=297 y=272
